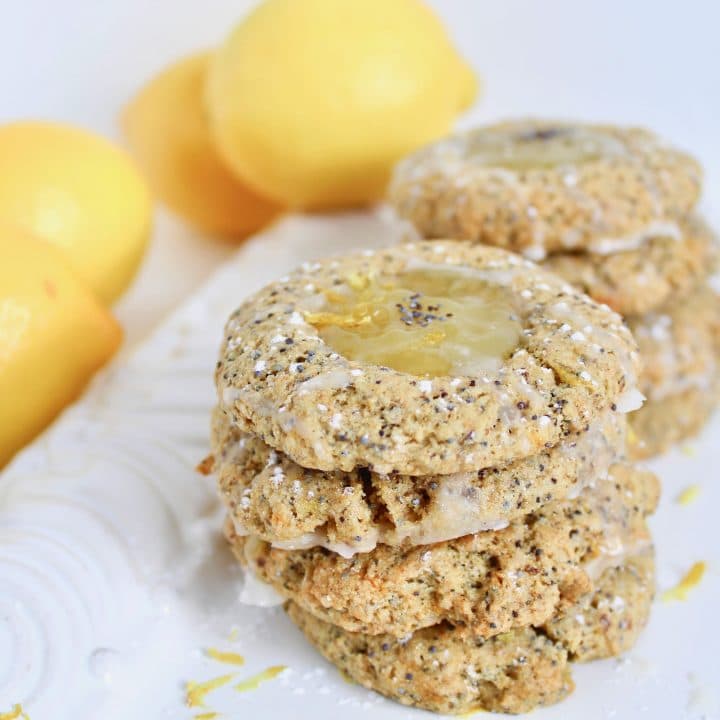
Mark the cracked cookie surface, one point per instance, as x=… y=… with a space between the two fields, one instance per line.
x=269 y=496
x=607 y=622
x=659 y=424
x=634 y=282
x=489 y=582
x=443 y=670
x=679 y=345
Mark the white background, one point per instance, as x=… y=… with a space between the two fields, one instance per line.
x=652 y=63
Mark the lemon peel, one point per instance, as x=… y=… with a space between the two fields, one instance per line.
x=168 y=132
x=223 y=656
x=80 y=193
x=375 y=80
x=16 y=713
x=691 y=580
x=688 y=495
x=255 y=681
x=196 y=693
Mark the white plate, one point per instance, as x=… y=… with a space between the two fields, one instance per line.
x=114 y=579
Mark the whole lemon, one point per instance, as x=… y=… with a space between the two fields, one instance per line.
x=167 y=129
x=54 y=334
x=79 y=192
x=313 y=102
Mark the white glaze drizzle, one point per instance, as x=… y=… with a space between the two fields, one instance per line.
x=633 y=241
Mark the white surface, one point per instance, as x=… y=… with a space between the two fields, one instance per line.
x=652 y=62
x=108 y=587
x=114 y=578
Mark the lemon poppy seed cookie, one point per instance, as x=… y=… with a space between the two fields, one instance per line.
x=679 y=345
x=659 y=424
x=608 y=622
x=489 y=582
x=539 y=187
x=269 y=496
x=421 y=448
x=443 y=669
x=665 y=267
x=439 y=357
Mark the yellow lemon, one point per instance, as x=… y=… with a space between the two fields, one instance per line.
x=313 y=102
x=167 y=128
x=54 y=334
x=78 y=191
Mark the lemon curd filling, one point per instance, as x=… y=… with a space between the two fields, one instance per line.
x=427 y=322
x=542 y=148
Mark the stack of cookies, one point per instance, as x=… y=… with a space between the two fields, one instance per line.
x=611 y=210
x=421 y=450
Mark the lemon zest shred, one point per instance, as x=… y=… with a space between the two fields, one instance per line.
x=195 y=693
x=207 y=716
x=359 y=282
x=231 y=658
x=632 y=437
x=356 y=323
x=336 y=297
x=17 y=713
x=234 y=634
x=255 y=681
x=692 y=578
x=356 y=318
x=688 y=495
x=345 y=677
x=431 y=338
x=505 y=637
